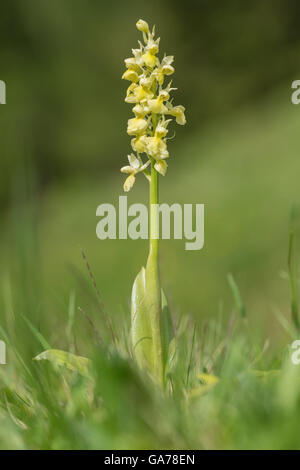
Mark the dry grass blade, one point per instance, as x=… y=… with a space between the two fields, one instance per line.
x=95 y=329
x=292 y=277
x=101 y=304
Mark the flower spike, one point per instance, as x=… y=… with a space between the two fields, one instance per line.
x=151 y=102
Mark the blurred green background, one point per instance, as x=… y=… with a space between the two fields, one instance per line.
x=63 y=141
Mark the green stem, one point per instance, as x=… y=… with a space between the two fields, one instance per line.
x=153 y=278
x=154 y=199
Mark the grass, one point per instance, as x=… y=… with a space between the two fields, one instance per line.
x=231 y=383
x=254 y=403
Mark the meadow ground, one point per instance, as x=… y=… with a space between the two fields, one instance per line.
x=233 y=385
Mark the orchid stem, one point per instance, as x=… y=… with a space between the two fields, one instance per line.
x=153 y=278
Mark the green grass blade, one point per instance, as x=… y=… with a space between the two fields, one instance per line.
x=236 y=295
x=43 y=342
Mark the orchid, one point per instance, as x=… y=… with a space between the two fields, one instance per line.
x=152 y=102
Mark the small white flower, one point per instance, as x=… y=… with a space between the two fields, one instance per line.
x=135 y=166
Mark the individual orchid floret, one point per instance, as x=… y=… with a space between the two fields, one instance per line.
x=140 y=110
x=138 y=94
x=146 y=82
x=157 y=147
x=161 y=166
x=150 y=51
x=150 y=59
x=139 y=143
x=161 y=128
x=138 y=53
x=135 y=166
x=132 y=64
x=136 y=126
x=165 y=68
x=178 y=113
x=130 y=75
x=157 y=105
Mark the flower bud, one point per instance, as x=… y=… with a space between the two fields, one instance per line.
x=142 y=26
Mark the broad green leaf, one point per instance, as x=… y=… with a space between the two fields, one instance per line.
x=141 y=333
x=65 y=359
x=141 y=330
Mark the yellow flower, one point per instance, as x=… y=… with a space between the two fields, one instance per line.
x=152 y=46
x=164 y=69
x=150 y=59
x=140 y=110
x=142 y=93
x=137 y=94
x=138 y=56
x=168 y=69
x=130 y=97
x=161 y=128
x=161 y=166
x=136 y=126
x=142 y=26
x=139 y=143
x=178 y=113
x=131 y=64
x=157 y=148
x=145 y=81
x=135 y=166
x=157 y=105
x=130 y=75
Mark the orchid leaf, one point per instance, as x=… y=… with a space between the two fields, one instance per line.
x=65 y=359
